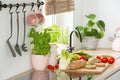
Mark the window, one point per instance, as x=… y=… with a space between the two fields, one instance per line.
x=63 y=20
x=65 y=23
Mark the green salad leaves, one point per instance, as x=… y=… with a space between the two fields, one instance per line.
x=54 y=32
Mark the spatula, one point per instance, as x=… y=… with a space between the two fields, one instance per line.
x=11 y=27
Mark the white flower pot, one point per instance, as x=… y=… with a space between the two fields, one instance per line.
x=90 y=42
x=40 y=62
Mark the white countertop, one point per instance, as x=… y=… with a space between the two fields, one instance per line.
x=108 y=72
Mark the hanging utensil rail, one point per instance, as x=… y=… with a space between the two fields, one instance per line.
x=20 y=4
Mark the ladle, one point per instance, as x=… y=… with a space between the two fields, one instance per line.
x=24 y=47
x=11 y=27
x=17 y=48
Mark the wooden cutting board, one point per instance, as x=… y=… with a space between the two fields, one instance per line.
x=98 y=70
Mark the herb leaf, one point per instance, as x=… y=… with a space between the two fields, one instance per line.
x=40 y=41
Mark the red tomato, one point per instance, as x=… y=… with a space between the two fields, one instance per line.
x=104 y=59
x=52 y=67
x=82 y=58
x=98 y=57
x=49 y=66
x=56 y=66
x=111 y=60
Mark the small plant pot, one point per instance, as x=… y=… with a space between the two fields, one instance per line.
x=90 y=42
x=40 y=62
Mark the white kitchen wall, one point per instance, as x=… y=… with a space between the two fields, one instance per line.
x=9 y=65
x=107 y=10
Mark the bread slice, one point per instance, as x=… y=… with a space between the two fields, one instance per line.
x=89 y=66
x=100 y=64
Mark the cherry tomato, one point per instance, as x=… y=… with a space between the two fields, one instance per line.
x=52 y=67
x=111 y=60
x=104 y=59
x=82 y=58
x=98 y=57
x=56 y=66
x=49 y=66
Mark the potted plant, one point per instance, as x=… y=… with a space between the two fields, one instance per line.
x=55 y=33
x=41 y=48
x=91 y=32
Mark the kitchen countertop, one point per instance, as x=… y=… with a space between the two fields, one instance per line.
x=106 y=74
x=113 y=68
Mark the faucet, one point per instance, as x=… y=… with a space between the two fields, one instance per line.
x=70 y=49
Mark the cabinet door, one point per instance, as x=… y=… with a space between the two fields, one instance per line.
x=115 y=76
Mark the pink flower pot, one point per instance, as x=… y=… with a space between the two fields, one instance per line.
x=40 y=62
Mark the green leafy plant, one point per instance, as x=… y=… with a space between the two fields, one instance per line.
x=57 y=35
x=64 y=36
x=92 y=28
x=54 y=32
x=40 y=41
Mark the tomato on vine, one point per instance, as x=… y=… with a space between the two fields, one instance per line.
x=49 y=66
x=82 y=57
x=111 y=60
x=104 y=59
x=52 y=67
x=98 y=57
x=56 y=66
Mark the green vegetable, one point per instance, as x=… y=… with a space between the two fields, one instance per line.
x=40 y=41
x=89 y=65
x=92 y=27
x=83 y=53
x=65 y=59
x=74 y=57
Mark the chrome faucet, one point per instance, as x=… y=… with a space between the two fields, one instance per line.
x=70 y=43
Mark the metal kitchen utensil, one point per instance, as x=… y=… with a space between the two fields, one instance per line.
x=11 y=27
x=17 y=48
x=24 y=47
